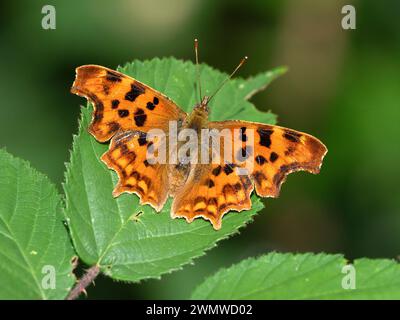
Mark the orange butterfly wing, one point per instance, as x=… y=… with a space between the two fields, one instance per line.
x=124 y=110
x=127 y=155
x=214 y=189
x=122 y=103
x=211 y=191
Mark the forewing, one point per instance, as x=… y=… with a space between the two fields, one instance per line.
x=122 y=103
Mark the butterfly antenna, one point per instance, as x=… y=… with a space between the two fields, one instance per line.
x=196 y=50
x=229 y=77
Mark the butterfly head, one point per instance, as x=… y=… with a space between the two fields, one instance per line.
x=201 y=109
x=204 y=103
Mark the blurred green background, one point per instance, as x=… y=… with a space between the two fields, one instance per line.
x=343 y=86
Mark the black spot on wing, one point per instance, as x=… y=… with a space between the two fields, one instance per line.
x=228 y=168
x=123 y=113
x=136 y=91
x=113 y=76
x=238 y=186
x=292 y=136
x=114 y=104
x=150 y=105
x=260 y=160
x=216 y=171
x=142 y=139
x=265 y=137
x=140 y=117
x=210 y=183
x=273 y=157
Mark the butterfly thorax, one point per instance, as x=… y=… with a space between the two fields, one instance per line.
x=198 y=118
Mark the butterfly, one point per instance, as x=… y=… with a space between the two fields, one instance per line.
x=126 y=111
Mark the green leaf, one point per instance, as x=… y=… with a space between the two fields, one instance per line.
x=303 y=276
x=106 y=230
x=249 y=87
x=178 y=79
x=33 y=240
